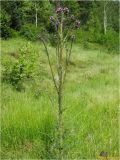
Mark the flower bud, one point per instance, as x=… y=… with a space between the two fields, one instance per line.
x=52 y=19
x=72 y=17
x=66 y=10
x=59 y=10
x=77 y=23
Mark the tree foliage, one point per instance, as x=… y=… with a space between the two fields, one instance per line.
x=16 y=15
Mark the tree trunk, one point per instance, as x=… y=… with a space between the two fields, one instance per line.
x=36 y=15
x=105 y=19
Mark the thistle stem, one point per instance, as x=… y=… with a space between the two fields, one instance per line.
x=60 y=93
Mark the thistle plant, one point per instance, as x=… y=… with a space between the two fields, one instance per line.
x=65 y=25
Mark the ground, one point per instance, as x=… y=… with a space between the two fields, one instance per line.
x=90 y=101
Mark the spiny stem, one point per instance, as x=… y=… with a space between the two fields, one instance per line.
x=60 y=93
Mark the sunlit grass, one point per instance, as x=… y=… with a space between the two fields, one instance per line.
x=91 y=115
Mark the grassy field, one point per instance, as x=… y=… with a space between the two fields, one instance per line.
x=90 y=96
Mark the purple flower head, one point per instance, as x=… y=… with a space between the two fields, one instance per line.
x=77 y=23
x=52 y=19
x=66 y=10
x=59 y=10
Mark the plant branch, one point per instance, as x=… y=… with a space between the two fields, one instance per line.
x=69 y=54
x=53 y=77
x=67 y=60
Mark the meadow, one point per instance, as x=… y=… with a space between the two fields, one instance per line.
x=91 y=99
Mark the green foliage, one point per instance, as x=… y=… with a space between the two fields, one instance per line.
x=13 y=33
x=6 y=30
x=30 y=32
x=112 y=41
x=81 y=36
x=14 y=9
x=5 y=24
x=28 y=124
x=23 y=67
x=73 y=6
x=20 y=16
x=109 y=42
x=93 y=25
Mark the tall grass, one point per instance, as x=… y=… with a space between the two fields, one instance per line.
x=91 y=115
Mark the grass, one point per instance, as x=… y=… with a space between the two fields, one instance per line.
x=91 y=102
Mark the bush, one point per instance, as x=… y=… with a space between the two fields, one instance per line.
x=13 y=33
x=25 y=67
x=112 y=41
x=30 y=32
x=82 y=38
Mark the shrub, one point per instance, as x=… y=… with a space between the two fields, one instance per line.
x=30 y=32
x=112 y=41
x=25 y=67
x=13 y=33
x=79 y=36
x=82 y=38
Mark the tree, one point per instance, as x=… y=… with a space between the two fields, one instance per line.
x=5 y=24
x=105 y=16
x=14 y=10
x=113 y=15
x=85 y=7
x=108 y=12
x=36 y=14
